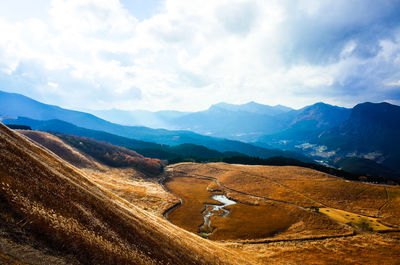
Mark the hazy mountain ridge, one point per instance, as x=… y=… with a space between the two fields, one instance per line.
x=250 y=122
x=307 y=123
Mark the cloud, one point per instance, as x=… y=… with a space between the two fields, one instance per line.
x=195 y=53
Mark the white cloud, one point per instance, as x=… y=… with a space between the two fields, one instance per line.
x=192 y=54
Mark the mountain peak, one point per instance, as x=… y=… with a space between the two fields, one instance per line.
x=252 y=107
x=379 y=113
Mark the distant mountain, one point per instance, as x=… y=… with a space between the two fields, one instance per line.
x=15 y=105
x=240 y=122
x=372 y=131
x=158 y=119
x=254 y=107
x=305 y=124
x=244 y=122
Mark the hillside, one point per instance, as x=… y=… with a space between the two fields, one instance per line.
x=84 y=152
x=58 y=147
x=53 y=204
x=305 y=124
x=114 y=156
x=115 y=214
x=372 y=131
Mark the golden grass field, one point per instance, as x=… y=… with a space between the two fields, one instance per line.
x=54 y=212
x=55 y=205
x=273 y=220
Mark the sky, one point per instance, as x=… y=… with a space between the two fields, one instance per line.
x=187 y=55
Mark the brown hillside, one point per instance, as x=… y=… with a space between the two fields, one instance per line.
x=57 y=146
x=84 y=152
x=128 y=183
x=56 y=205
x=112 y=155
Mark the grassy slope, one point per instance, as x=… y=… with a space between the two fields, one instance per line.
x=57 y=146
x=129 y=183
x=60 y=207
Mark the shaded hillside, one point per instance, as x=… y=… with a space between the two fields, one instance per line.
x=365 y=166
x=57 y=206
x=372 y=130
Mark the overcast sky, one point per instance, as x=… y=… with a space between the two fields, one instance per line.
x=187 y=55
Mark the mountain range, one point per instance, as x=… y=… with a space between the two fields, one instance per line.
x=367 y=133
x=250 y=122
x=18 y=109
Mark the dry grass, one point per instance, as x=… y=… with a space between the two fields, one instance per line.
x=194 y=194
x=128 y=183
x=58 y=147
x=371 y=249
x=135 y=187
x=305 y=188
x=95 y=214
x=359 y=221
x=289 y=187
x=249 y=222
x=253 y=218
x=61 y=207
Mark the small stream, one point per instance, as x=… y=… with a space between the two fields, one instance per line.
x=217 y=210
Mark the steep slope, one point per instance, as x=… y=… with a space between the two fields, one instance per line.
x=58 y=206
x=372 y=131
x=57 y=146
x=84 y=152
x=114 y=156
